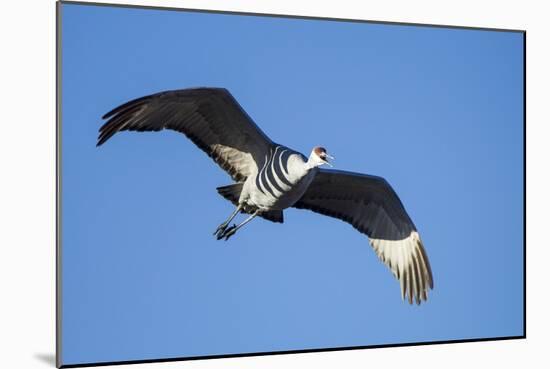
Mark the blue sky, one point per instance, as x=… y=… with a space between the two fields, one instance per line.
x=437 y=112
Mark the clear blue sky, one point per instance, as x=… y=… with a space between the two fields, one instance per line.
x=437 y=112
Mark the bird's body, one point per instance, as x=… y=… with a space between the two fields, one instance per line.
x=271 y=178
x=281 y=181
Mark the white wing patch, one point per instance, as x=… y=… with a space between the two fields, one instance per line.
x=242 y=161
x=408 y=262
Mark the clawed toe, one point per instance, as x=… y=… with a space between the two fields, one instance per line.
x=230 y=232
x=220 y=230
x=226 y=232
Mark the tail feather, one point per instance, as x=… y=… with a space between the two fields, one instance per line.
x=231 y=192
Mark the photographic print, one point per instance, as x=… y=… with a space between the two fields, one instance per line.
x=239 y=184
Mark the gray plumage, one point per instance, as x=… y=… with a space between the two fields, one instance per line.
x=271 y=177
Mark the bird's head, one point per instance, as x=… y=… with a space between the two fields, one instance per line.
x=319 y=157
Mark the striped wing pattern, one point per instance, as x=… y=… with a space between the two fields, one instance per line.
x=274 y=176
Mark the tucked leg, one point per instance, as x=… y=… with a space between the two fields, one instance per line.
x=231 y=231
x=222 y=227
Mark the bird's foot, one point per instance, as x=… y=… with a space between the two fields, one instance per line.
x=226 y=232
x=220 y=230
x=230 y=232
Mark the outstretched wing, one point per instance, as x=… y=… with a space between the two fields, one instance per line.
x=371 y=206
x=210 y=117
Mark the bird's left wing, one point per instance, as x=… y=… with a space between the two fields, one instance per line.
x=210 y=117
x=371 y=206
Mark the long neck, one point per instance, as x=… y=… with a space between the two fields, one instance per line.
x=312 y=162
x=299 y=167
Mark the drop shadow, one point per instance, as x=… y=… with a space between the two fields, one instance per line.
x=46 y=358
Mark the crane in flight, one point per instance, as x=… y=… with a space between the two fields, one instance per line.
x=271 y=177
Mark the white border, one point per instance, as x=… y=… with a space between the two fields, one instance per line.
x=27 y=187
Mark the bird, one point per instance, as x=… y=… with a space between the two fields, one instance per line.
x=269 y=177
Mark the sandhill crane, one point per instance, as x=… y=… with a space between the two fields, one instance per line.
x=271 y=177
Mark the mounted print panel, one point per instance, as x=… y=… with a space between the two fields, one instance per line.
x=239 y=184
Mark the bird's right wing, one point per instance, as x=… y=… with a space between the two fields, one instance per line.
x=371 y=206
x=210 y=117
